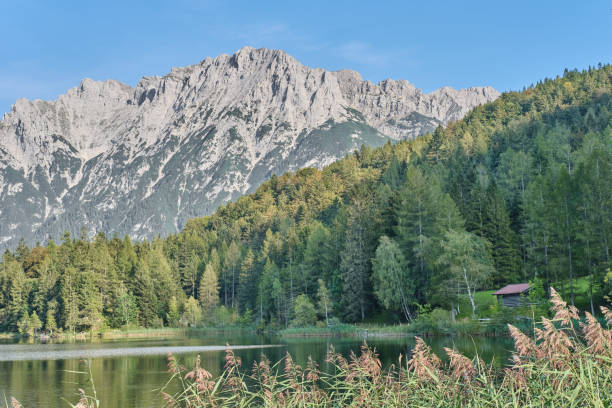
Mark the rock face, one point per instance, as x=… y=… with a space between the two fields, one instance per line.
x=141 y=161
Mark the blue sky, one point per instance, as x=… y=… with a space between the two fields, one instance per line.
x=48 y=47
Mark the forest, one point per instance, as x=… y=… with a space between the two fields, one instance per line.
x=520 y=190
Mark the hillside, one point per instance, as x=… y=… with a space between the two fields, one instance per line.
x=518 y=190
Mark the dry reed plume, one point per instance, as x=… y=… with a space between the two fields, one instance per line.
x=562 y=366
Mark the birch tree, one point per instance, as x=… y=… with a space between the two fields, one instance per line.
x=465 y=257
x=392 y=284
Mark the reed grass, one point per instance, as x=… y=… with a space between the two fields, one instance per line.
x=567 y=363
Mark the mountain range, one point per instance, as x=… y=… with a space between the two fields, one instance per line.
x=142 y=160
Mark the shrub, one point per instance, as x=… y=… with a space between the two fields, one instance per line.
x=223 y=316
x=304 y=312
x=440 y=315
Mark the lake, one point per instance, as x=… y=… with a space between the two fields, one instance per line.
x=129 y=373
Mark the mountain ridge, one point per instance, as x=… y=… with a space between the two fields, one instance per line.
x=142 y=160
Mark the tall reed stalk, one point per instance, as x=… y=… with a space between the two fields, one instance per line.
x=567 y=364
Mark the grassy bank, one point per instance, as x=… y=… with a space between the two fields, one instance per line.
x=143 y=333
x=167 y=332
x=490 y=320
x=346 y=330
x=423 y=327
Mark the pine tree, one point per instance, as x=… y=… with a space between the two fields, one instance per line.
x=564 y=203
x=594 y=180
x=280 y=301
x=146 y=297
x=50 y=322
x=35 y=323
x=189 y=274
x=232 y=264
x=317 y=260
x=415 y=222
x=69 y=295
x=22 y=252
x=208 y=291
x=292 y=241
x=394 y=174
x=514 y=174
x=23 y=325
x=126 y=259
x=47 y=285
x=173 y=315
x=355 y=265
x=538 y=229
x=478 y=200
x=269 y=297
x=247 y=282
x=90 y=302
x=504 y=242
x=103 y=267
x=18 y=292
x=424 y=214
x=165 y=281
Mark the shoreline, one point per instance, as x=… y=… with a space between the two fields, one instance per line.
x=344 y=330
x=133 y=333
x=472 y=328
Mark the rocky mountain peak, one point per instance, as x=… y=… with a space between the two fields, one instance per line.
x=142 y=160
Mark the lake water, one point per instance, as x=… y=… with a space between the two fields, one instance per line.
x=129 y=373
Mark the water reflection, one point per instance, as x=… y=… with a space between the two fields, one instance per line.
x=21 y=352
x=129 y=373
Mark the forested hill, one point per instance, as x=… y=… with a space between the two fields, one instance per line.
x=518 y=190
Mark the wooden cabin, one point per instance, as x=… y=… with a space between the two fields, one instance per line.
x=510 y=295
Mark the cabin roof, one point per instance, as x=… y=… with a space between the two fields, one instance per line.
x=514 y=289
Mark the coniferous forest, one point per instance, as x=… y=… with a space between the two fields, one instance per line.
x=520 y=190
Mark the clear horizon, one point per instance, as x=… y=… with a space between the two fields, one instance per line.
x=509 y=46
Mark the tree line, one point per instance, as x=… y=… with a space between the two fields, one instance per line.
x=518 y=190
